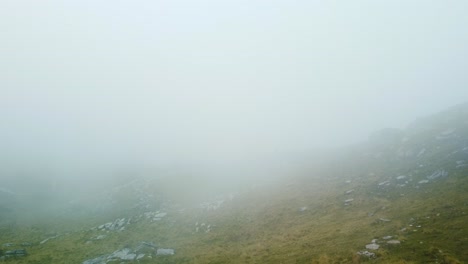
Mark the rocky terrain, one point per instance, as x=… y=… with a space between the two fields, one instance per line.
x=401 y=197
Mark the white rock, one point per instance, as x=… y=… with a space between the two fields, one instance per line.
x=366 y=253
x=165 y=251
x=393 y=242
x=384 y=183
x=372 y=246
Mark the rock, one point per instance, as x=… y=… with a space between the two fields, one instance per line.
x=349 y=192
x=384 y=219
x=437 y=174
x=387 y=237
x=145 y=248
x=155 y=216
x=366 y=253
x=159 y=216
x=47 y=239
x=165 y=251
x=118 y=224
x=349 y=200
x=123 y=254
x=384 y=183
x=302 y=209
x=401 y=177
x=16 y=253
x=393 y=242
x=423 y=181
x=372 y=246
x=99 y=260
x=8 y=245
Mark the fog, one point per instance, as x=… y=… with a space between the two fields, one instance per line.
x=94 y=89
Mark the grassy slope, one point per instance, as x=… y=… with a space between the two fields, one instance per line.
x=265 y=225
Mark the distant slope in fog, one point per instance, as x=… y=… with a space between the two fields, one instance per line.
x=403 y=191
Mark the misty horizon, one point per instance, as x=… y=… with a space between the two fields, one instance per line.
x=91 y=88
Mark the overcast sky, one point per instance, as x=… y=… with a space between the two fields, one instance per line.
x=108 y=82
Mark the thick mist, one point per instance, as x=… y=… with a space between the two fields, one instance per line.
x=226 y=90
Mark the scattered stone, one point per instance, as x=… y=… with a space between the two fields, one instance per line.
x=155 y=216
x=99 y=260
x=387 y=237
x=349 y=192
x=384 y=183
x=401 y=177
x=393 y=242
x=165 y=251
x=384 y=219
x=15 y=253
x=366 y=253
x=144 y=249
x=8 y=245
x=437 y=174
x=372 y=246
x=423 y=182
x=211 y=206
x=47 y=239
x=118 y=224
x=159 y=216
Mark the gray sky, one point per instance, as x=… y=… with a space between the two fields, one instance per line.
x=100 y=83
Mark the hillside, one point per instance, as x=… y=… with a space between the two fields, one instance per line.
x=401 y=197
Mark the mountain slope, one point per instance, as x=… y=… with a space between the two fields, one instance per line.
x=405 y=189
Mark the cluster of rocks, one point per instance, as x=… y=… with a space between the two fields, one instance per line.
x=349 y=200
x=145 y=250
x=211 y=206
x=155 y=216
x=117 y=225
x=13 y=254
x=435 y=175
x=373 y=246
x=203 y=227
